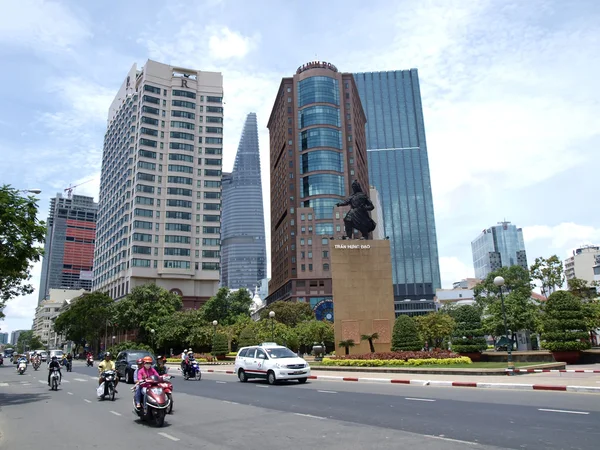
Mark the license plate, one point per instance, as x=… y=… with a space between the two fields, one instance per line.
x=298 y=372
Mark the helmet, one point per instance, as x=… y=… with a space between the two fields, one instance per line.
x=107 y=355
x=185 y=350
x=190 y=353
x=54 y=358
x=147 y=359
x=139 y=362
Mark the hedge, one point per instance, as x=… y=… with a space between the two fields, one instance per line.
x=178 y=360
x=405 y=356
x=395 y=362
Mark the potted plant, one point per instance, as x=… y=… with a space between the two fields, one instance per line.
x=564 y=327
x=468 y=337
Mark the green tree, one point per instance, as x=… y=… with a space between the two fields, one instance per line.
x=549 y=272
x=21 y=234
x=219 y=345
x=522 y=313
x=564 y=327
x=582 y=289
x=227 y=307
x=86 y=318
x=516 y=278
x=177 y=329
x=468 y=333
x=435 y=327
x=370 y=338
x=312 y=331
x=289 y=313
x=248 y=336
x=346 y=345
x=145 y=308
x=588 y=296
x=405 y=336
x=28 y=341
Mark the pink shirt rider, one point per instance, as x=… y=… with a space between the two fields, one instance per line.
x=144 y=374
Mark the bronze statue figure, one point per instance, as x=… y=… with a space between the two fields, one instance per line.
x=358 y=217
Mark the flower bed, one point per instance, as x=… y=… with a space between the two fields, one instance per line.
x=403 y=356
x=395 y=362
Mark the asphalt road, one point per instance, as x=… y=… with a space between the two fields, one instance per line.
x=221 y=413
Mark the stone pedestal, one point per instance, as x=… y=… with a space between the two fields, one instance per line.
x=363 y=295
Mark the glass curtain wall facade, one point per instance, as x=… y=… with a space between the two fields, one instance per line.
x=243 y=246
x=498 y=246
x=399 y=170
x=69 y=248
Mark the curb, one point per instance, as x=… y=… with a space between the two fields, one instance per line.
x=463 y=384
x=553 y=370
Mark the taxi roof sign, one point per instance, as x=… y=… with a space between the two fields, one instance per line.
x=270 y=344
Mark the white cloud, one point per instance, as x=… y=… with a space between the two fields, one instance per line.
x=227 y=44
x=43 y=25
x=19 y=311
x=563 y=237
x=452 y=269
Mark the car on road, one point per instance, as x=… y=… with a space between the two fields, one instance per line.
x=271 y=362
x=126 y=363
x=58 y=353
x=43 y=355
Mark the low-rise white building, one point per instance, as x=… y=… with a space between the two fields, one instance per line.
x=47 y=311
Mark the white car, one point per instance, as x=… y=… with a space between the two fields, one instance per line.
x=272 y=362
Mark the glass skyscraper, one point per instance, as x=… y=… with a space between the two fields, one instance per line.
x=243 y=245
x=498 y=246
x=399 y=170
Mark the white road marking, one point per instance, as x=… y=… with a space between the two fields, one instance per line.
x=221 y=382
x=79 y=379
x=443 y=438
x=115 y=413
x=564 y=411
x=42 y=381
x=261 y=385
x=26 y=384
x=327 y=392
x=70 y=393
x=3 y=384
x=65 y=381
x=231 y=403
x=87 y=401
x=311 y=416
x=420 y=399
x=168 y=436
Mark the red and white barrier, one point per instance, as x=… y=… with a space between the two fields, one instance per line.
x=553 y=370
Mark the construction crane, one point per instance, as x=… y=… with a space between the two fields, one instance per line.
x=69 y=190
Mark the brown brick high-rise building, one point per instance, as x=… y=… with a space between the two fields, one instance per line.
x=318 y=148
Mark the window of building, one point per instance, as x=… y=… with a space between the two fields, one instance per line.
x=325 y=267
x=303 y=267
x=310 y=267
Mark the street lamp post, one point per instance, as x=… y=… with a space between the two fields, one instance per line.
x=499 y=281
x=214 y=323
x=30 y=191
x=113 y=340
x=152 y=331
x=272 y=317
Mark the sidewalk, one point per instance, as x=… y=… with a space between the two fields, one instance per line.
x=553 y=381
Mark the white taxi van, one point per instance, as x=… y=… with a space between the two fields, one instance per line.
x=272 y=362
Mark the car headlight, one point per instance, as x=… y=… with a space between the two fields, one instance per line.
x=279 y=366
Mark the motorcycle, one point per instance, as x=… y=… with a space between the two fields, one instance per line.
x=155 y=402
x=90 y=362
x=69 y=364
x=168 y=388
x=36 y=364
x=54 y=379
x=22 y=367
x=193 y=371
x=109 y=384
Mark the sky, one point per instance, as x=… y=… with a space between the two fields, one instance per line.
x=509 y=88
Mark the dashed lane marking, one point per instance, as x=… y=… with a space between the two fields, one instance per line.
x=327 y=392
x=231 y=403
x=87 y=401
x=221 y=382
x=563 y=411
x=420 y=399
x=443 y=438
x=168 y=436
x=70 y=393
x=115 y=413
x=311 y=416
x=79 y=379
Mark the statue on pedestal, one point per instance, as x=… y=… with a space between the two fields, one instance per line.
x=358 y=217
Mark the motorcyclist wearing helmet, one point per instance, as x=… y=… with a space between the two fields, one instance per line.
x=107 y=365
x=54 y=364
x=188 y=362
x=161 y=367
x=143 y=374
x=139 y=365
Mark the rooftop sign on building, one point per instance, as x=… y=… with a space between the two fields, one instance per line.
x=316 y=65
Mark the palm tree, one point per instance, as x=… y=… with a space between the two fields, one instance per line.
x=347 y=344
x=370 y=338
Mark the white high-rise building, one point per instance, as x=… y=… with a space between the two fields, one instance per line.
x=160 y=191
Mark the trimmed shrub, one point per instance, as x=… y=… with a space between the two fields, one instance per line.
x=247 y=337
x=395 y=362
x=564 y=323
x=468 y=336
x=404 y=356
x=405 y=335
x=219 y=345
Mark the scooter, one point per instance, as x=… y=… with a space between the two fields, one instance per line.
x=36 y=364
x=168 y=388
x=22 y=367
x=193 y=371
x=155 y=401
x=90 y=362
x=54 y=379
x=109 y=384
